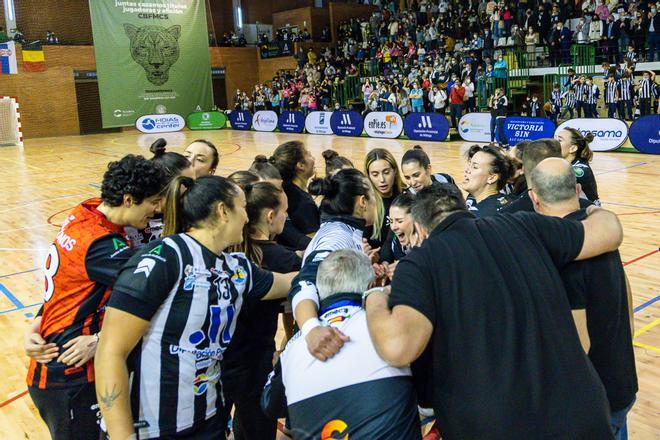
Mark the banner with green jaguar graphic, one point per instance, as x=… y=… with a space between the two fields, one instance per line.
x=152 y=57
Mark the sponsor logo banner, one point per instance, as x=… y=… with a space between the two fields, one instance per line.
x=318 y=123
x=206 y=121
x=521 y=128
x=475 y=127
x=645 y=134
x=383 y=125
x=609 y=134
x=346 y=123
x=291 y=122
x=160 y=123
x=240 y=119
x=264 y=120
x=426 y=127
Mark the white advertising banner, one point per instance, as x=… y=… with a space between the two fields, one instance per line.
x=264 y=120
x=318 y=123
x=475 y=127
x=609 y=134
x=383 y=125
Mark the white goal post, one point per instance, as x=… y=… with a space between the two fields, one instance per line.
x=10 y=122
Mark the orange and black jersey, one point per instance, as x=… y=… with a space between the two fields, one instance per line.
x=82 y=265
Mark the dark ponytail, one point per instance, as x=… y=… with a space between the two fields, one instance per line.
x=339 y=191
x=264 y=169
x=190 y=202
x=416 y=154
x=334 y=162
x=582 y=143
x=173 y=163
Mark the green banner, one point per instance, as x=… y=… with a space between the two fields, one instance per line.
x=206 y=121
x=152 y=57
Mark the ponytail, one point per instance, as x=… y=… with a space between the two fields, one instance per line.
x=173 y=211
x=582 y=141
x=190 y=202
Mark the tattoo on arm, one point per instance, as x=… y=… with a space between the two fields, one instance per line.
x=108 y=397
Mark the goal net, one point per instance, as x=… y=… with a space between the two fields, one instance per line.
x=10 y=125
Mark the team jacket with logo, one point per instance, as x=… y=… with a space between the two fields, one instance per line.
x=82 y=265
x=192 y=297
x=353 y=395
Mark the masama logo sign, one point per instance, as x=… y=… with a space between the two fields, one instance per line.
x=521 y=128
x=645 y=134
x=240 y=119
x=346 y=123
x=160 y=123
x=291 y=122
x=475 y=127
x=264 y=120
x=426 y=127
x=383 y=125
x=609 y=134
x=318 y=123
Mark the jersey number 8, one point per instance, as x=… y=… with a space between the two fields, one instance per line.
x=50 y=270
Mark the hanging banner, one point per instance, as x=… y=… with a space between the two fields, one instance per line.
x=475 y=127
x=240 y=119
x=318 y=123
x=264 y=120
x=645 y=134
x=151 y=58
x=426 y=126
x=8 y=63
x=383 y=125
x=523 y=128
x=206 y=121
x=609 y=134
x=346 y=123
x=291 y=122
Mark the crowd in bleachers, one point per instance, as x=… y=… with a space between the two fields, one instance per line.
x=413 y=53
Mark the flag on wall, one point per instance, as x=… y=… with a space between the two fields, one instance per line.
x=33 y=57
x=8 y=58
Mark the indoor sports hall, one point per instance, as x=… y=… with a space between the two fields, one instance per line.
x=293 y=95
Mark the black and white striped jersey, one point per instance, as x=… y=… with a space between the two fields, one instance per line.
x=611 y=92
x=581 y=92
x=335 y=233
x=645 y=88
x=192 y=298
x=555 y=98
x=625 y=89
x=570 y=98
x=356 y=394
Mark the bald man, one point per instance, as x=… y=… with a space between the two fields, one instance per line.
x=598 y=289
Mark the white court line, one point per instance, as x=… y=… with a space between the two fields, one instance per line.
x=25 y=228
x=41 y=201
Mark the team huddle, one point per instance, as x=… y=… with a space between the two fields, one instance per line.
x=494 y=305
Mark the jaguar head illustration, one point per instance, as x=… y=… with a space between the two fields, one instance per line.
x=154 y=48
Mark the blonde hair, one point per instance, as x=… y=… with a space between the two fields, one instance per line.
x=373 y=156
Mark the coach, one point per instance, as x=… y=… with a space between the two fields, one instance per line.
x=486 y=296
x=597 y=288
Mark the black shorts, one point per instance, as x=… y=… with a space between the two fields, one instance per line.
x=69 y=413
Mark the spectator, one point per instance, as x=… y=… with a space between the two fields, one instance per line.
x=602 y=11
x=456 y=98
x=416 y=98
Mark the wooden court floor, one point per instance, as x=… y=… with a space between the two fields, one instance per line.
x=44 y=180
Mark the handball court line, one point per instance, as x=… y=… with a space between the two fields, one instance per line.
x=640 y=164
